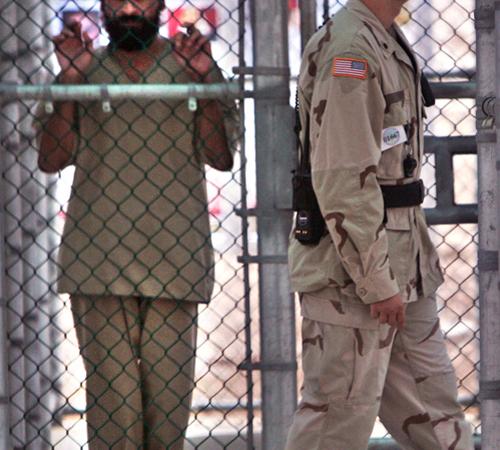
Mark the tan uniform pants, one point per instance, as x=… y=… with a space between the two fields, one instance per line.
x=139 y=357
x=351 y=375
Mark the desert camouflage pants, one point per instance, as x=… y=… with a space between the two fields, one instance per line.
x=139 y=357
x=351 y=375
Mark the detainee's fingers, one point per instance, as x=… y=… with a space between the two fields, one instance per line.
x=197 y=48
x=70 y=32
x=193 y=36
x=201 y=43
x=207 y=48
x=58 y=39
x=76 y=27
x=178 y=40
x=86 y=38
x=193 y=44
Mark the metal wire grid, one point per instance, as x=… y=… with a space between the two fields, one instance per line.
x=46 y=375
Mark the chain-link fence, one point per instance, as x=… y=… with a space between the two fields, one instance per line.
x=108 y=263
x=133 y=196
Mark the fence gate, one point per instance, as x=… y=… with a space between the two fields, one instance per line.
x=43 y=380
x=42 y=376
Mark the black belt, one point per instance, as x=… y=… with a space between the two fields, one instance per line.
x=404 y=195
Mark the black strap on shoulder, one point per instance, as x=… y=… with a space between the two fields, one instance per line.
x=304 y=148
x=427 y=94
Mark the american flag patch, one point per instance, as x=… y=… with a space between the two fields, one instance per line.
x=351 y=68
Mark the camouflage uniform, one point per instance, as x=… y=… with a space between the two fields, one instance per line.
x=359 y=84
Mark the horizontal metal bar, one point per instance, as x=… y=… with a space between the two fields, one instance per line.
x=452 y=215
x=389 y=444
x=258 y=212
x=455 y=145
x=201 y=406
x=249 y=212
x=263 y=366
x=59 y=92
x=263 y=259
x=435 y=216
x=454 y=89
x=104 y=92
x=262 y=71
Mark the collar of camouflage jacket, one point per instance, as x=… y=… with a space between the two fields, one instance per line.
x=382 y=36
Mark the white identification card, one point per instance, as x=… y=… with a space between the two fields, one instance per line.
x=393 y=136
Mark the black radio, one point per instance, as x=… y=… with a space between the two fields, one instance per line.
x=309 y=222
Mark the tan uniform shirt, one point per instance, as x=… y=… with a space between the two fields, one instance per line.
x=357 y=85
x=137 y=222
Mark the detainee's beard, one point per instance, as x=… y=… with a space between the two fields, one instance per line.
x=130 y=38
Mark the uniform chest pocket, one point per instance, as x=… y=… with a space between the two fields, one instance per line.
x=393 y=137
x=395 y=109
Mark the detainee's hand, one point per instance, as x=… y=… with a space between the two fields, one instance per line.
x=193 y=53
x=74 y=51
x=390 y=311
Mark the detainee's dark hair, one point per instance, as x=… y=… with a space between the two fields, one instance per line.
x=161 y=3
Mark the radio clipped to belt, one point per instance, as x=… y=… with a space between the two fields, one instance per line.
x=309 y=222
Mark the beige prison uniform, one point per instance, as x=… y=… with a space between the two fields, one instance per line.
x=131 y=405
x=137 y=221
x=355 y=368
x=136 y=257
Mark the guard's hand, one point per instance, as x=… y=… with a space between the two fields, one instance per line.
x=390 y=311
x=193 y=53
x=74 y=51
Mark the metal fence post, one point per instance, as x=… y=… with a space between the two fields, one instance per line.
x=488 y=157
x=4 y=385
x=308 y=22
x=4 y=359
x=274 y=149
x=12 y=212
x=25 y=311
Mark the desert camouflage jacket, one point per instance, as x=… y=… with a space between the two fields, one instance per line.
x=360 y=87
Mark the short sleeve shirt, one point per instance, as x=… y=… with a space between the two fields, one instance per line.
x=137 y=221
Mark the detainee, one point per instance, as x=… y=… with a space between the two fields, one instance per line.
x=136 y=256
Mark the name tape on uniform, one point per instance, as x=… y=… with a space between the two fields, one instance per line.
x=350 y=68
x=393 y=136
